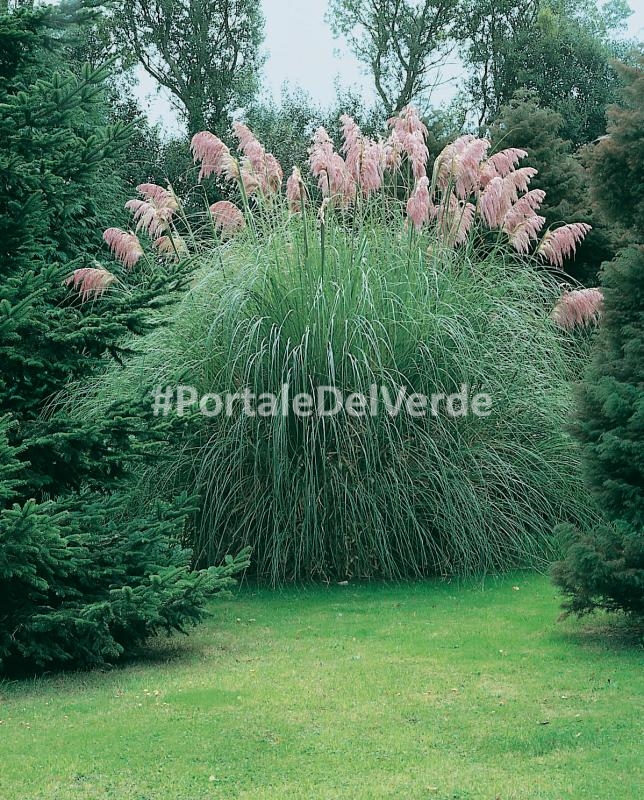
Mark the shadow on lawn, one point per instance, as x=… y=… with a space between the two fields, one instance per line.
x=160 y=651
x=615 y=632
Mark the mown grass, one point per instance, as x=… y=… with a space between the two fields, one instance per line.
x=424 y=690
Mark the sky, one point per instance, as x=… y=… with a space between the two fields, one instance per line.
x=302 y=52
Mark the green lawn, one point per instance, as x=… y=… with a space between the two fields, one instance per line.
x=425 y=690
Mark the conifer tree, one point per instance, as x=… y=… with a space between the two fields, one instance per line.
x=604 y=567
x=82 y=577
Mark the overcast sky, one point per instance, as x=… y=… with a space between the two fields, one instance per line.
x=302 y=52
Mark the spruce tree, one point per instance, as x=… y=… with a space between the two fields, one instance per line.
x=604 y=568
x=83 y=576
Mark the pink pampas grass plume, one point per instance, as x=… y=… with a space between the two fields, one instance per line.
x=353 y=144
x=578 y=308
x=500 y=194
x=393 y=151
x=455 y=219
x=525 y=231
x=522 y=223
x=149 y=217
x=458 y=165
x=295 y=191
x=520 y=179
x=495 y=202
x=227 y=217
x=418 y=205
x=320 y=151
x=266 y=168
x=500 y=164
x=461 y=223
x=274 y=172
x=90 y=282
x=524 y=207
x=158 y=196
x=246 y=138
x=417 y=153
x=372 y=167
x=171 y=247
x=365 y=159
x=343 y=186
x=211 y=152
x=410 y=134
x=322 y=163
x=408 y=121
x=249 y=178
x=125 y=246
x=334 y=179
x=562 y=242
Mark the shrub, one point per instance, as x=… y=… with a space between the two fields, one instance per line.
x=604 y=567
x=351 y=294
x=80 y=581
x=617 y=168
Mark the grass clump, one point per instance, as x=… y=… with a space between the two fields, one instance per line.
x=347 y=294
x=375 y=495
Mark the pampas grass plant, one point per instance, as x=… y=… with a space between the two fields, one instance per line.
x=344 y=293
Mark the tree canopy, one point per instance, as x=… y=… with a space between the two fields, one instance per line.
x=206 y=53
x=401 y=42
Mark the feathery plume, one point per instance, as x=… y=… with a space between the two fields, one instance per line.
x=90 y=282
x=418 y=204
x=158 y=196
x=334 y=179
x=320 y=153
x=392 y=148
x=408 y=121
x=495 y=202
x=171 y=247
x=501 y=194
x=274 y=172
x=500 y=164
x=525 y=230
x=562 y=242
x=227 y=217
x=580 y=307
x=211 y=152
x=295 y=191
x=524 y=207
x=520 y=179
x=409 y=134
x=353 y=144
x=372 y=166
x=458 y=164
x=365 y=159
x=258 y=164
x=149 y=217
x=455 y=218
x=125 y=246
x=248 y=177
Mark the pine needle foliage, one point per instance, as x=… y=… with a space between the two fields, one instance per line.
x=80 y=582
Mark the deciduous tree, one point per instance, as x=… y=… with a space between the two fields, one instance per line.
x=402 y=43
x=206 y=53
x=559 y=49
